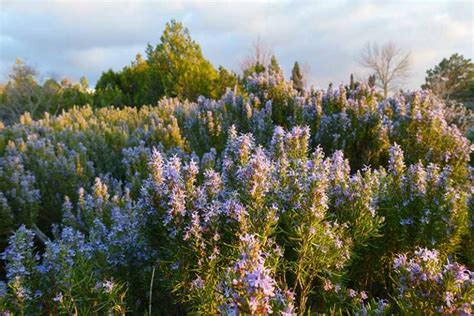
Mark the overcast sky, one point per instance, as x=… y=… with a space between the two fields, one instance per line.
x=76 y=38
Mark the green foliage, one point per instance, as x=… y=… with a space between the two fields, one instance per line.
x=452 y=79
x=297 y=78
x=226 y=80
x=133 y=86
x=371 y=81
x=274 y=65
x=429 y=284
x=265 y=199
x=175 y=67
x=180 y=66
x=23 y=93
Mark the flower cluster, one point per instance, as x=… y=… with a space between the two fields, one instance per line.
x=300 y=193
x=427 y=283
x=249 y=287
x=423 y=205
x=21 y=261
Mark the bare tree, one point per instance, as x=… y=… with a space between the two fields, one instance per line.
x=306 y=72
x=388 y=62
x=260 y=55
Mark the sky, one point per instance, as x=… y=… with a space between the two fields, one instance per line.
x=74 y=38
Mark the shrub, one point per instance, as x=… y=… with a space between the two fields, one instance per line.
x=266 y=200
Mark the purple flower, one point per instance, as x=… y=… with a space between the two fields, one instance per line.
x=212 y=182
x=381 y=306
x=427 y=255
x=3 y=289
x=249 y=286
x=406 y=221
x=328 y=286
x=108 y=286
x=156 y=166
x=352 y=293
x=198 y=282
x=256 y=174
x=19 y=255
x=448 y=298
x=396 y=162
x=58 y=297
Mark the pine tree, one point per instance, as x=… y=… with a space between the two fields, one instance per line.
x=371 y=81
x=227 y=79
x=297 y=78
x=274 y=66
x=178 y=61
x=452 y=79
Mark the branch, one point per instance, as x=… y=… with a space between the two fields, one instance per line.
x=42 y=236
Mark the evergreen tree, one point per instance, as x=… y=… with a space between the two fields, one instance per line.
x=297 y=78
x=371 y=81
x=175 y=68
x=109 y=90
x=452 y=78
x=183 y=71
x=254 y=68
x=274 y=66
x=226 y=79
x=137 y=84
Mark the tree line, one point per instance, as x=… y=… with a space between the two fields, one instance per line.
x=176 y=67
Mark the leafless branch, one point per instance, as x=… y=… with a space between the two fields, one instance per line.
x=388 y=62
x=260 y=54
